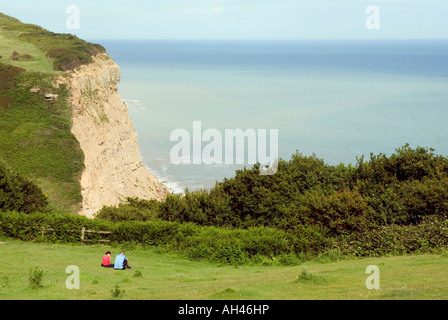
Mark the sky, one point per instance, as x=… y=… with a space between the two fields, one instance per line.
x=236 y=19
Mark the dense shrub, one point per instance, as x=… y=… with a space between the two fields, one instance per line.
x=200 y=252
x=343 y=211
x=405 y=164
x=131 y=209
x=18 y=193
x=429 y=235
x=400 y=189
x=386 y=205
x=200 y=207
x=231 y=253
x=290 y=259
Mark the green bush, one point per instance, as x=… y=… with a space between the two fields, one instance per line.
x=405 y=164
x=307 y=194
x=342 y=211
x=130 y=210
x=232 y=254
x=290 y=259
x=201 y=252
x=429 y=235
x=17 y=193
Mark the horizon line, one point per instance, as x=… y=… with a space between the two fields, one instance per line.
x=270 y=40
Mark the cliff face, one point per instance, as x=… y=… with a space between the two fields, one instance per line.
x=101 y=123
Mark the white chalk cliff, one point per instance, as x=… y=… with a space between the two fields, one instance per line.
x=101 y=123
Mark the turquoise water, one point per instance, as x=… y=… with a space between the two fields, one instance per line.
x=338 y=100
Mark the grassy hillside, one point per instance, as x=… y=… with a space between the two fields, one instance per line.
x=49 y=51
x=267 y=226
x=158 y=275
x=10 y=42
x=35 y=137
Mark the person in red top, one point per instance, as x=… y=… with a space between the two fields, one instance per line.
x=106 y=260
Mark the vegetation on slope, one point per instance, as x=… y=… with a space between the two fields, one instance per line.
x=63 y=51
x=400 y=189
x=35 y=137
x=19 y=194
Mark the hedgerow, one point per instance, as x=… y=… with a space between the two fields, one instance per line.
x=227 y=246
x=400 y=189
x=231 y=246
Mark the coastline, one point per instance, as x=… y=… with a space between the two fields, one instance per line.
x=172 y=186
x=320 y=110
x=101 y=123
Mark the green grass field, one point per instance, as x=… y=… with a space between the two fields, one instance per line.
x=158 y=275
x=9 y=42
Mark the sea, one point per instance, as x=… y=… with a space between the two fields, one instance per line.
x=337 y=100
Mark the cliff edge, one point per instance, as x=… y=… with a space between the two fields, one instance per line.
x=101 y=123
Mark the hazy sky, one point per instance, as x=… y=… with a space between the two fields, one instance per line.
x=236 y=19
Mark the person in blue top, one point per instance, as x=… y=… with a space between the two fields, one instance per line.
x=121 y=262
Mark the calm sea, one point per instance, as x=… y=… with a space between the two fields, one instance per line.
x=335 y=99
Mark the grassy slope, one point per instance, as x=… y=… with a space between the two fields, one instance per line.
x=9 y=42
x=35 y=137
x=167 y=276
x=52 y=51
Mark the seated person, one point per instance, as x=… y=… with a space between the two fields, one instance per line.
x=106 y=260
x=121 y=262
